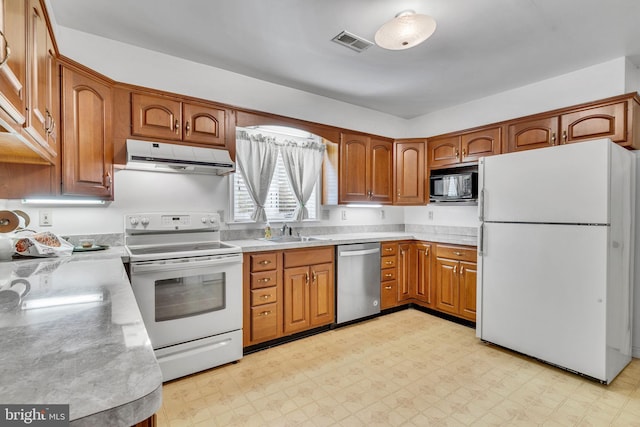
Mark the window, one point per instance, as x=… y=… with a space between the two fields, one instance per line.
x=281 y=202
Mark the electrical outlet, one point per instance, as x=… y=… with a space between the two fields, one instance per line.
x=46 y=218
x=430 y=215
x=382 y=214
x=344 y=215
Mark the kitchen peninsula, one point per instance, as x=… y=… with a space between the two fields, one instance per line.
x=73 y=335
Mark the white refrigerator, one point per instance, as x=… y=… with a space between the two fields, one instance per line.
x=555 y=255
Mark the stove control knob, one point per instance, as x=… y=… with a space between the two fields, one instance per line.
x=204 y=220
x=144 y=221
x=133 y=220
x=212 y=220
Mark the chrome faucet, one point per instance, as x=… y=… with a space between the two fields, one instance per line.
x=286 y=230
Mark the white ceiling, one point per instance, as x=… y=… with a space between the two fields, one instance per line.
x=480 y=47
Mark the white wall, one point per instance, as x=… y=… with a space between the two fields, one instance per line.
x=130 y=64
x=464 y=216
x=137 y=191
x=585 y=85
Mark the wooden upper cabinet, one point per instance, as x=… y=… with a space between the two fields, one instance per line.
x=366 y=169
x=43 y=97
x=463 y=147
x=604 y=121
x=173 y=119
x=13 y=49
x=481 y=143
x=443 y=151
x=87 y=167
x=156 y=117
x=203 y=124
x=410 y=173
x=381 y=174
x=530 y=134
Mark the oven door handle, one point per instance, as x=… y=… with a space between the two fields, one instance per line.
x=182 y=263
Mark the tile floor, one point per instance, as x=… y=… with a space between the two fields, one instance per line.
x=407 y=368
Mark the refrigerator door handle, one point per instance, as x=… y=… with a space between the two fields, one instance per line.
x=481 y=205
x=481 y=240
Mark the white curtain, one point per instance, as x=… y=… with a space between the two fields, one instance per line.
x=302 y=163
x=256 y=156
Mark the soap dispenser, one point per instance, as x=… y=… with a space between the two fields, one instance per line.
x=267 y=231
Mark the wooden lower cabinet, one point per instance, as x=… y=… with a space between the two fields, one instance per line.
x=441 y=277
x=286 y=292
x=455 y=281
x=149 y=422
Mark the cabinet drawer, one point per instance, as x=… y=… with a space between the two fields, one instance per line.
x=388 y=262
x=388 y=249
x=456 y=252
x=304 y=257
x=264 y=279
x=388 y=294
x=264 y=322
x=263 y=262
x=388 y=274
x=263 y=296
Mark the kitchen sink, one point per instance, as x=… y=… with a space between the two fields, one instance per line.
x=290 y=239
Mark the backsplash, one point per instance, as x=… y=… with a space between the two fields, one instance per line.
x=311 y=231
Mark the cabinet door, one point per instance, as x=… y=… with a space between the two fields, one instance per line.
x=354 y=168
x=424 y=286
x=13 y=71
x=88 y=146
x=530 y=134
x=264 y=323
x=468 y=276
x=605 y=121
x=410 y=173
x=381 y=175
x=39 y=119
x=203 y=124
x=156 y=117
x=322 y=297
x=482 y=143
x=447 y=285
x=404 y=272
x=444 y=151
x=296 y=299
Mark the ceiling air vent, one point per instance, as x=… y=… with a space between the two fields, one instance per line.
x=352 y=41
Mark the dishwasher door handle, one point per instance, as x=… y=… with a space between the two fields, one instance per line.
x=358 y=253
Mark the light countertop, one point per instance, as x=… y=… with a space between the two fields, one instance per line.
x=258 y=245
x=94 y=356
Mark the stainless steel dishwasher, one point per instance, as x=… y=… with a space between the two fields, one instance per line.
x=358 y=285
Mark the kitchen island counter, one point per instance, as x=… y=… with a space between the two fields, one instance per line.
x=76 y=337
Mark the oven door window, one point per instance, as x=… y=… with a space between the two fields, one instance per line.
x=182 y=297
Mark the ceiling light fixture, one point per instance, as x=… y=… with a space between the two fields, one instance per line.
x=407 y=29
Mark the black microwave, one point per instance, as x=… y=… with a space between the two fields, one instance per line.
x=454 y=187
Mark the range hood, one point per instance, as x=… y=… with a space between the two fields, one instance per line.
x=161 y=157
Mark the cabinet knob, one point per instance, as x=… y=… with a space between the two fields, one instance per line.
x=315 y=277
x=266 y=297
x=264 y=262
x=306 y=278
x=388 y=262
x=553 y=139
x=388 y=249
x=464 y=152
x=177 y=127
x=265 y=280
x=564 y=136
x=108 y=180
x=457 y=153
x=426 y=252
x=457 y=253
x=187 y=127
x=264 y=313
x=388 y=288
x=461 y=270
